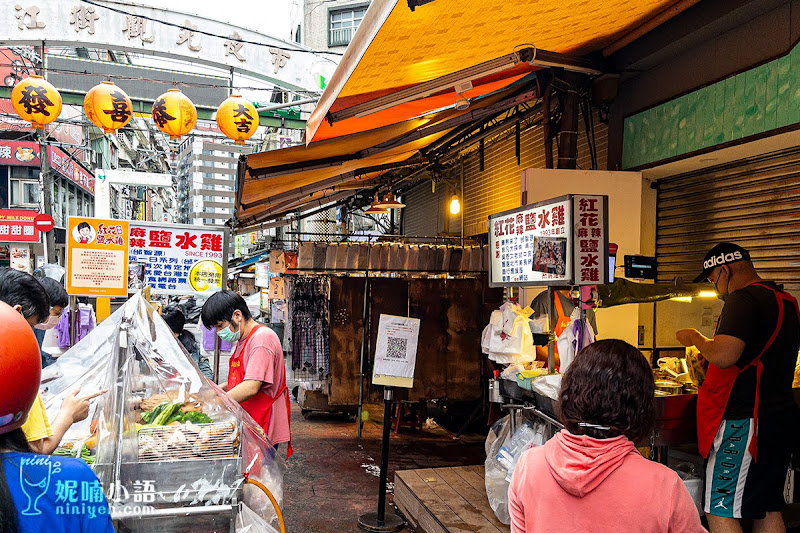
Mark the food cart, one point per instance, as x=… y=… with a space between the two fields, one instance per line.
x=172 y=451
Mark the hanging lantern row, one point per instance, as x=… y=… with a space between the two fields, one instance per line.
x=109 y=108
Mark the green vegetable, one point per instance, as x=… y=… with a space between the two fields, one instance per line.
x=149 y=416
x=86 y=454
x=162 y=418
x=196 y=417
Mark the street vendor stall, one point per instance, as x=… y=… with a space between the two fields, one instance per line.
x=172 y=451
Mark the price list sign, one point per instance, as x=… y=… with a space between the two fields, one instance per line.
x=562 y=241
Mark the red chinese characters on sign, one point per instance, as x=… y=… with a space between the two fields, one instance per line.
x=544 y=219
x=110 y=235
x=160 y=239
x=558 y=216
x=530 y=221
x=210 y=241
x=186 y=241
x=138 y=237
x=590 y=255
x=17 y=225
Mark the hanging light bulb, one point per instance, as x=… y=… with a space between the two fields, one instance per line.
x=455 y=205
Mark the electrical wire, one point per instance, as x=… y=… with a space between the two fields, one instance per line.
x=170 y=82
x=182 y=27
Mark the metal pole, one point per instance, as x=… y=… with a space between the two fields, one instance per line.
x=388 y=396
x=380 y=522
x=463 y=204
x=216 y=358
x=288 y=104
x=73 y=321
x=364 y=318
x=552 y=320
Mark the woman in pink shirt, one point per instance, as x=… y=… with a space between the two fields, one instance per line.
x=590 y=477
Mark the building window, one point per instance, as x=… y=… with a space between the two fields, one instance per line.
x=342 y=24
x=24 y=193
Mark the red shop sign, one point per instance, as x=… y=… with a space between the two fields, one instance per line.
x=17 y=225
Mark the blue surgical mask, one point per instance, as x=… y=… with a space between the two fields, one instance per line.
x=229 y=336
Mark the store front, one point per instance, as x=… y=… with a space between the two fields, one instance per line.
x=20 y=187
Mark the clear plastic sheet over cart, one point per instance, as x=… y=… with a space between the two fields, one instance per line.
x=169 y=446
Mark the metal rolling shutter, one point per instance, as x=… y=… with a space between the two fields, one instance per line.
x=753 y=202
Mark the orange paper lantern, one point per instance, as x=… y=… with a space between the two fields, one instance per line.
x=108 y=107
x=174 y=114
x=36 y=100
x=237 y=118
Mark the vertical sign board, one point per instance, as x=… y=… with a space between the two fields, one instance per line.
x=97 y=257
x=179 y=258
x=562 y=241
x=591 y=239
x=396 y=351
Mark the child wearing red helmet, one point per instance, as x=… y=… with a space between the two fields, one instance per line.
x=38 y=492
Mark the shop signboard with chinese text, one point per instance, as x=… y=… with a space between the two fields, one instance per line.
x=26 y=153
x=396 y=351
x=179 y=259
x=561 y=241
x=97 y=257
x=17 y=225
x=70 y=169
x=591 y=239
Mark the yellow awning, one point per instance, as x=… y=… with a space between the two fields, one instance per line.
x=395 y=47
x=276 y=182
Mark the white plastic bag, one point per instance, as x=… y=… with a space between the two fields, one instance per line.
x=549 y=385
x=494 y=473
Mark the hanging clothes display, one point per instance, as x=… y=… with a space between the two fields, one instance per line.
x=85 y=324
x=310 y=325
x=287 y=329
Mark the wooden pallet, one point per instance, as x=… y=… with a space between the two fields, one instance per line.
x=446 y=500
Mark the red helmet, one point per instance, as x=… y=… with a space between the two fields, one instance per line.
x=20 y=369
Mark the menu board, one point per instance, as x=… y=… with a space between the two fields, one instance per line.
x=179 y=259
x=97 y=257
x=562 y=241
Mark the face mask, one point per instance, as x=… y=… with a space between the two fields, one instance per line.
x=722 y=295
x=229 y=336
x=52 y=321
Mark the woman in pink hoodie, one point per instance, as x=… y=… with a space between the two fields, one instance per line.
x=590 y=477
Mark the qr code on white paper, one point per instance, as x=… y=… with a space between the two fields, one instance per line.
x=396 y=348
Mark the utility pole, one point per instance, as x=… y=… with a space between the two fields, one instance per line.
x=46 y=180
x=46 y=184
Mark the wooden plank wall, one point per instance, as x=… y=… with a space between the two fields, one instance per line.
x=449 y=360
x=347 y=313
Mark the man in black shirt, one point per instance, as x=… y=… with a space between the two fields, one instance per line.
x=746 y=414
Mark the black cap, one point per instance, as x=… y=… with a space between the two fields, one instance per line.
x=723 y=253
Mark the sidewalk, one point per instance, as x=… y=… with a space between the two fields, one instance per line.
x=333 y=478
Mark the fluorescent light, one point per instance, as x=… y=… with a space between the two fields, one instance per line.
x=707 y=294
x=687 y=299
